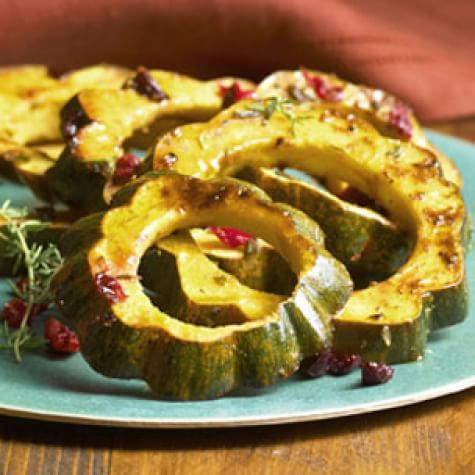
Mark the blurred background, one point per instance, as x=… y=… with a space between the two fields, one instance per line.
x=421 y=50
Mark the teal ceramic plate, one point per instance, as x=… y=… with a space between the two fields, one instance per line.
x=68 y=390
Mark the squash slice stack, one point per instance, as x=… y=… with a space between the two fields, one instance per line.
x=96 y=123
x=389 y=320
x=151 y=290
x=30 y=104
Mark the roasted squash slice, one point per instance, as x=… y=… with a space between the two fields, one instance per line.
x=389 y=115
x=123 y=335
x=30 y=100
x=96 y=123
x=388 y=320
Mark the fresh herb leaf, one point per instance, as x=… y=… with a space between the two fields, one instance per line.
x=271 y=105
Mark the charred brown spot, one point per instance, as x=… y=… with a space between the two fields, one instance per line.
x=429 y=167
x=325 y=116
x=220 y=279
x=204 y=196
x=414 y=286
x=144 y=84
x=440 y=218
x=243 y=192
x=448 y=258
x=418 y=196
x=166 y=161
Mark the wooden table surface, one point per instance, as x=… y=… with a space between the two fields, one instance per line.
x=435 y=437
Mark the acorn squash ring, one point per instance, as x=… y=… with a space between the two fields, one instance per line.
x=389 y=320
x=123 y=335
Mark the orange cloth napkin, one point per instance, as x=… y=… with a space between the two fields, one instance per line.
x=421 y=50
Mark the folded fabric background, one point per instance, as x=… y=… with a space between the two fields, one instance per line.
x=422 y=50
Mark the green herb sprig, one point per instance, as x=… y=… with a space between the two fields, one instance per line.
x=40 y=263
x=272 y=105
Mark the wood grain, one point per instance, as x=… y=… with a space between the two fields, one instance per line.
x=436 y=437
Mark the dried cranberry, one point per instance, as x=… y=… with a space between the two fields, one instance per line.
x=73 y=118
x=126 y=167
x=109 y=287
x=144 y=84
x=375 y=373
x=400 y=118
x=318 y=365
x=322 y=88
x=14 y=311
x=234 y=93
x=61 y=338
x=343 y=364
x=232 y=237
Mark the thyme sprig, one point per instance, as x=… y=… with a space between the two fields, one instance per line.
x=40 y=263
x=272 y=105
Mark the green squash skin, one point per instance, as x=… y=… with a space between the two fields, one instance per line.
x=246 y=356
x=449 y=307
x=370 y=248
x=261 y=269
x=79 y=183
x=400 y=343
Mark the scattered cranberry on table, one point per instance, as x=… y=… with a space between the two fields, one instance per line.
x=343 y=364
x=329 y=362
x=61 y=338
x=318 y=365
x=14 y=311
x=375 y=373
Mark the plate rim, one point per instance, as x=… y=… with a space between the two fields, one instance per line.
x=240 y=421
